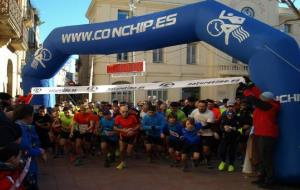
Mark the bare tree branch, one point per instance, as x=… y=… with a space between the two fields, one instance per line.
x=292 y=6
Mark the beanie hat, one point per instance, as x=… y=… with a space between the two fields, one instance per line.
x=266 y=96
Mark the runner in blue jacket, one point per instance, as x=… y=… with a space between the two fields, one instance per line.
x=152 y=124
x=173 y=129
x=191 y=142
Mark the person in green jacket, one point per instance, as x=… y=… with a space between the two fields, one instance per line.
x=174 y=108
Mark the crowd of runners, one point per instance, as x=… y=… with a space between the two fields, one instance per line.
x=196 y=128
x=187 y=133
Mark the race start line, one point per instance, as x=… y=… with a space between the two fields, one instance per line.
x=133 y=87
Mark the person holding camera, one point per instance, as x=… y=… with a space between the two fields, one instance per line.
x=266 y=132
x=30 y=143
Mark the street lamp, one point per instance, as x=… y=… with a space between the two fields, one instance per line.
x=132 y=7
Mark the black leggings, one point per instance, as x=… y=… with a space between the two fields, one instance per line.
x=228 y=146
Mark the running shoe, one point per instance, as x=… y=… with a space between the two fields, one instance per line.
x=121 y=166
x=230 y=168
x=222 y=166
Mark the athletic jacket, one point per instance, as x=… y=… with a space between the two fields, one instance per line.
x=175 y=130
x=152 y=125
x=192 y=137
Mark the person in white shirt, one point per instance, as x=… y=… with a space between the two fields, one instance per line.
x=206 y=118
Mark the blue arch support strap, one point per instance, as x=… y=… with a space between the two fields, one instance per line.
x=273 y=57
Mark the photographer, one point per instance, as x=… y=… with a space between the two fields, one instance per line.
x=30 y=143
x=265 y=130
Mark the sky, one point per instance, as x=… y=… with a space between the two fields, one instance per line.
x=54 y=13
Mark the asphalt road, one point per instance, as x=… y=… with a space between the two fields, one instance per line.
x=60 y=174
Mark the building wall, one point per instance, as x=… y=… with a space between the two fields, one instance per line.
x=7 y=56
x=210 y=61
x=9 y=53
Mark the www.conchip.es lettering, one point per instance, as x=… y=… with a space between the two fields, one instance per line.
x=121 y=31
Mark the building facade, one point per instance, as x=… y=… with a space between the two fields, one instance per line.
x=19 y=38
x=183 y=62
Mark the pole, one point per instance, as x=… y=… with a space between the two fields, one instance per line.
x=91 y=79
x=131 y=14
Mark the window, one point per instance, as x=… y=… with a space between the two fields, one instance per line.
x=122 y=96
x=122 y=57
x=191 y=92
x=158 y=94
x=158 y=56
x=191 y=54
x=287 y=28
x=125 y=96
x=122 y=15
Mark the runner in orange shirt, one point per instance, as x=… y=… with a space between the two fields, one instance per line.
x=80 y=131
x=128 y=127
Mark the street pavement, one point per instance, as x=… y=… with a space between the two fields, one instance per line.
x=60 y=174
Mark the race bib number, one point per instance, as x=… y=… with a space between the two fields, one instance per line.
x=109 y=133
x=82 y=128
x=174 y=134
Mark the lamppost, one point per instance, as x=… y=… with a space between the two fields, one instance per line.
x=132 y=7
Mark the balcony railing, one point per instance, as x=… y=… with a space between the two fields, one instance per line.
x=233 y=69
x=21 y=43
x=11 y=15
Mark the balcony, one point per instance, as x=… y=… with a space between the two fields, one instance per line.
x=233 y=70
x=10 y=21
x=21 y=43
x=29 y=17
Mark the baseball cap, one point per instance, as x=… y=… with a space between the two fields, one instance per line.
x=266 y=96
x=230 y=102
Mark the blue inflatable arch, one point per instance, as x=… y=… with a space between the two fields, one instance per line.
x=273 y=57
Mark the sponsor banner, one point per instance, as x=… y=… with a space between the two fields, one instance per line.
x=132 y=87
x=126 y=67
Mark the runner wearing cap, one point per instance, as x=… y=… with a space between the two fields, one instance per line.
x=229 y=142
